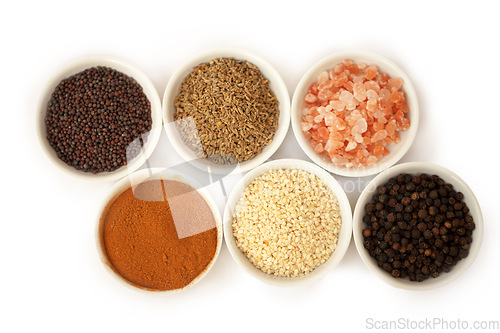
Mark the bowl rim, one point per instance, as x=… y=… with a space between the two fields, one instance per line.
x=449 y=177
x=344 y=237
x=407 y=137
x=139 y=177
x=75 y=67
x=276 y=83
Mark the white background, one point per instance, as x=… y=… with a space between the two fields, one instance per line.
x=50 y=276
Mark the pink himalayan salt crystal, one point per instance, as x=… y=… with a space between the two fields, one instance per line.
x=395 y=84
x=324 y=133
x=403 y=124
x=385 y=94
x=379 y=135
x=353 y=117
x=310 y=98
x=371 y=94
x=372 y=105
x=339 y=68
x=308 y=118
x=345 y=96
x=351 y=105
x=358 y=78
x=332 y=146
x=397 y=97
x=339 y=124
x=359 y=138
x=325 y=95
x=313 y=111
x=377 y=126
x=371 y=160
x=361 y=65
x=391 y=128
x=323 y=77
x=338 y=105
x=306 y=126
x=328 y=84
x=360 y=92
x=372 y=85
x=318 y=148
x=359 y=127
x=351 y=145
x=318 y=118
x=329 y=119
x=321 y=110
x=325 y=109
x=340 y=80
x=371 y=72
x=380 y=116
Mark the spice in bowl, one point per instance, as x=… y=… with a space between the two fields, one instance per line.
x=233 y=109
x=353 y=113
x=287 y=222
x=159 y=235
x=94 y=117
x=417 y=226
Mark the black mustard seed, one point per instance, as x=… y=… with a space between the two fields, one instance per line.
x=94 y=118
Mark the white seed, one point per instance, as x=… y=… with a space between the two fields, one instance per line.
x=295 y=213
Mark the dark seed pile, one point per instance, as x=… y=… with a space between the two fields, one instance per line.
x=417 y=226
x=234 y=110
x=94 y=116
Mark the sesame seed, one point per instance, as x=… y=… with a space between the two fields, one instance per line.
x=287 y=222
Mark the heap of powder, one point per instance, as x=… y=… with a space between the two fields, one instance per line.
x=159 y=235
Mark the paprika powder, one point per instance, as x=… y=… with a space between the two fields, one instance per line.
x=159 y=235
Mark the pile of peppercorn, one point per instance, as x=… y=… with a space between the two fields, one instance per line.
x=417 y=226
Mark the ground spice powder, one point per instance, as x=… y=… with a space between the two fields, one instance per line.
x=159 y=235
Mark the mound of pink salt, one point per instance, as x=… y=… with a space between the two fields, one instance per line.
x=353 y=112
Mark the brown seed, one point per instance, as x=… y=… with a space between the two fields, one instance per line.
x=233 y=107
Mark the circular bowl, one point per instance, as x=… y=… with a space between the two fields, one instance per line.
x=344 y=237
x=396 y=151
x=123 y=67
x=137 y=178
x=275 y=82
x=418 y=168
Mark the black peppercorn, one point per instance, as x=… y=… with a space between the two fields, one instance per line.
x=424 y=227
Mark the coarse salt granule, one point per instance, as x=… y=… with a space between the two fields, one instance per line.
x=287 y=222
x=347 y=107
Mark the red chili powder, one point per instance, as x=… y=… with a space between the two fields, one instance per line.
x=159 y=235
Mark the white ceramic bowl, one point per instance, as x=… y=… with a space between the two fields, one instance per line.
x=418 y=168
x=396 y=151
x=121 y=66
x=344 y=237
x=277 y=86
x=137 y=178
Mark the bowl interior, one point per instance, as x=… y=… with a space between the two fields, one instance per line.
x=418 y=168
x=344 y=235
x=396 y=151
x=149 y=90
x=137 y=178
x=276 y=83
